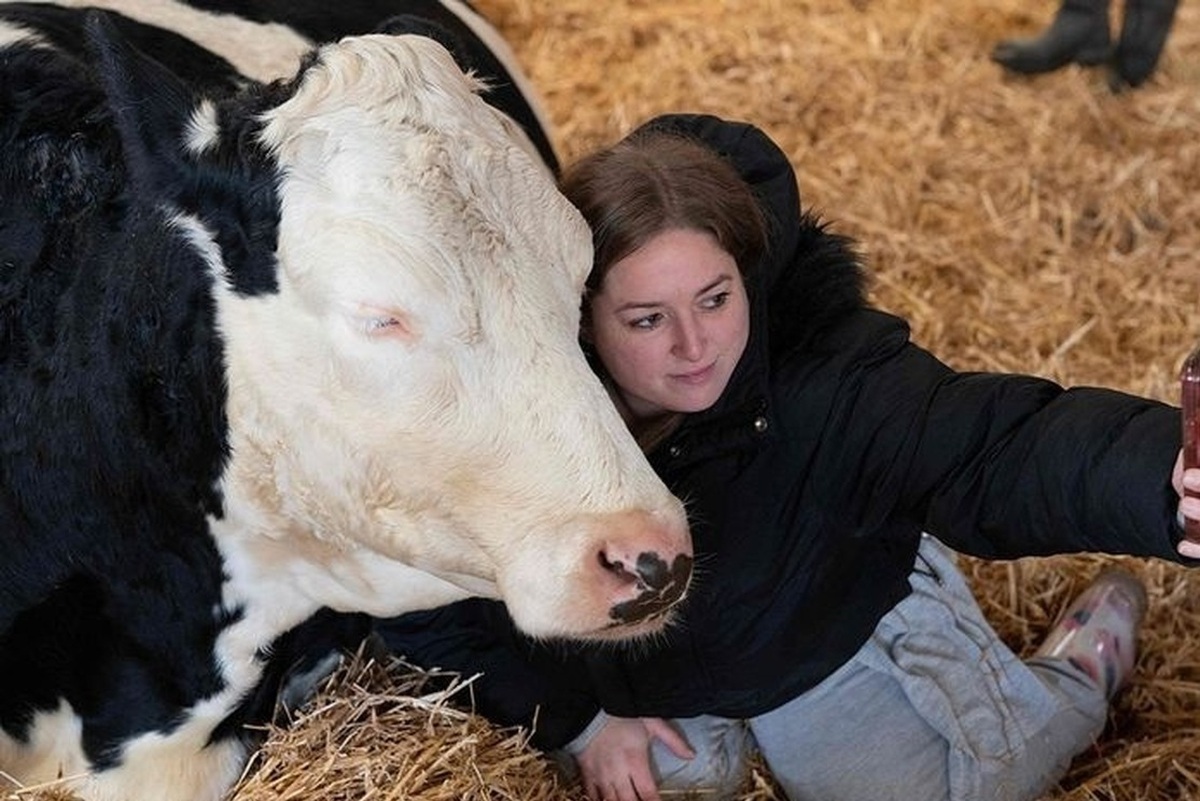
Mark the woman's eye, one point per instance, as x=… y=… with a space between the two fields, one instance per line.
x=716 y=301
x=646 y=323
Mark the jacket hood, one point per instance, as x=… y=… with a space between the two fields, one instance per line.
x=807 y=279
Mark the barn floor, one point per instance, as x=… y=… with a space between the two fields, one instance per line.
x=1042 y=225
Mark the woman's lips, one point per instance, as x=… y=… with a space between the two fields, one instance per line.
x=696 y=376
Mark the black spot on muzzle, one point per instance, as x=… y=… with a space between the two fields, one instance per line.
x=661 y=584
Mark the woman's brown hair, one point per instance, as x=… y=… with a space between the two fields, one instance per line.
x=655 y=180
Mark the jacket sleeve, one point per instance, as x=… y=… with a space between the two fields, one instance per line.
x=1053 y=470
x=1002 y=465
x=541 y=686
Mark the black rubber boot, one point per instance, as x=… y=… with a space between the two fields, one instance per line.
x=1079 y=33
x=1143 y=34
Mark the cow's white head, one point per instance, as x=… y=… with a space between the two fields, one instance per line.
x=413 y=393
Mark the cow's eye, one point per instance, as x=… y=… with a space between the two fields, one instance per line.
x=387 y=323
x=377 y=324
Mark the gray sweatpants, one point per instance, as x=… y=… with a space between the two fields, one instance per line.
x=934 y=706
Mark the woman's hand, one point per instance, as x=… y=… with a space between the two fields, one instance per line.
x=1189 y=505
x=615 y=765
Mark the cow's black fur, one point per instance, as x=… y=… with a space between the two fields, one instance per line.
x=112 y=394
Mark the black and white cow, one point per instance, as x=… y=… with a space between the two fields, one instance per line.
x=271 y=352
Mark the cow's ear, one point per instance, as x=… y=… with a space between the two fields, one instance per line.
x=150 y=105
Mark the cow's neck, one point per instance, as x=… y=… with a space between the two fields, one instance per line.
x=276 y=582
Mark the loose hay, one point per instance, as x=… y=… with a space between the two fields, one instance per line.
x=1039 y=225
x=394 y=732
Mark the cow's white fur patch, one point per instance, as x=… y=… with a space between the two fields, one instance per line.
x=202 y=240
x=263 y=51
x=53 y=749
x=203 y=130
x=12 y=34
x=181 y=766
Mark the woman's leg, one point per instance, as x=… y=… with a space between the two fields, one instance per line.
x=934 y=706
x=855 y=737
x=721 y=765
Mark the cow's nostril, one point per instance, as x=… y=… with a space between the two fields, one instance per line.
x=652 y=571
x=617 y=567
x=662 y=586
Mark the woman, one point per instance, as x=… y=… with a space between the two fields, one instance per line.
x=815 y=445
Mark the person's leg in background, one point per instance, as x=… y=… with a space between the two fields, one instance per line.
x=1079 y=34
x=1143 y=35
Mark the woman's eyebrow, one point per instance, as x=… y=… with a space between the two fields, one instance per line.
x=639 y=304
x=650 y=304
x=721 y=279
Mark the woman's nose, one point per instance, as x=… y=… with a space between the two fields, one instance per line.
x=689 y=340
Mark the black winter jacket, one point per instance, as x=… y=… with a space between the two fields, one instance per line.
x=837 y=442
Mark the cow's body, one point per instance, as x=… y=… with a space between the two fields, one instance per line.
x=228 y=42
x=289 y=347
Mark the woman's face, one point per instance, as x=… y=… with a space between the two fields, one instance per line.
x=670 y=323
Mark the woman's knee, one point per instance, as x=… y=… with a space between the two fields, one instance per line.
x=721 y=763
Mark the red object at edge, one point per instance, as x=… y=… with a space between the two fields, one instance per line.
x=1189 y=385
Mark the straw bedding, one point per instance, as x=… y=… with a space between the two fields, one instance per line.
x=1039 y=225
